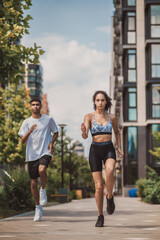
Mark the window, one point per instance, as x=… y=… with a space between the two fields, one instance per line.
x=131 y=65
x=155 y=60
x=131 y=29
x=156 y=101
x=32 y=71
x=131 y=164
x=34 y=92
x=32 y=79
x=155 y=21
x=30 y=85
x=132 y=104
x=131 y=2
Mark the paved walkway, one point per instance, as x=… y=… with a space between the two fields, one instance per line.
x=132 y=220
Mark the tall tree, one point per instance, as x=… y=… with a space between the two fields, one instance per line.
x=13 y=96
x=14 y=108
x=13 y=25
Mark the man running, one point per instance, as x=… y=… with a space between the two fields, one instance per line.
x=36 y=132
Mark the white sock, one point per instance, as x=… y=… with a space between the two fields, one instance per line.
x=38 y=206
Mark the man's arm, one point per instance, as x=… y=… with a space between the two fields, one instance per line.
x=50 y=146
x=24 y=139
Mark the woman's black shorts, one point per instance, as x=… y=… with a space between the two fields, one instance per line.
x=99 y=152
x=34 y=165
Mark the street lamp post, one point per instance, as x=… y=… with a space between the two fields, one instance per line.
x=62 y=133
x=70 y=163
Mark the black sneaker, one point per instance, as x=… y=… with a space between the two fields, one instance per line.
x=100 y=221
x=110 y=205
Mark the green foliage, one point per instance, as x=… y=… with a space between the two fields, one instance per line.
x=72 y=195
x=13 y=25
x=53 y=179
x=149 y=188
x=156 y=151
x=140 y=187
x=16 y=193
x=14 y=108
x=77 y=172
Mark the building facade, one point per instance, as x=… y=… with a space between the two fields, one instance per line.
x=45 y=109
x=79 y=148
x=135 y=84
x=33 y=79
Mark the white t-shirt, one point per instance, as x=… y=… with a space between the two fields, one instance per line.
x=39 y=139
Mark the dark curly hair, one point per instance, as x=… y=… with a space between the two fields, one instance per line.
x=36 y=99
x=108 y=99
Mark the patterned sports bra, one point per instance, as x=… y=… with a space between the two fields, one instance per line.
x=98 y=129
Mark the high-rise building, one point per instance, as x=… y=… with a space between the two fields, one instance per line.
x=79 y=149
x=33 y=79
x=135 y=84
x=45 y=109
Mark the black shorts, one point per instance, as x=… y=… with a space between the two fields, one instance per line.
x=99 y=152
x=33 y=165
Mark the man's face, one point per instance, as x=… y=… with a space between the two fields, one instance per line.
x=35 y=107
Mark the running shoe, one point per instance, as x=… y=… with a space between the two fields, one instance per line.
x=100 y=221
x=43 y=197
x=38 y=213
x=110 y=205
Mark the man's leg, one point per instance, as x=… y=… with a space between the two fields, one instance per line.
x=43 y=177
x=35 y=191
x=109 y=180
x=35 y=194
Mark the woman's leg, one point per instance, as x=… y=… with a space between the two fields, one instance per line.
x=98 y=181
x=109 y=178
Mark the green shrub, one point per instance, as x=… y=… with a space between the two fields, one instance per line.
x=140 y=187
x=149 y=188
x=72 y=195
x=16 y=194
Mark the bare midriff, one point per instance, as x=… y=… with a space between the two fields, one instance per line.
x=102 y=138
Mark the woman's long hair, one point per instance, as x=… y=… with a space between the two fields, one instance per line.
x=108 y=99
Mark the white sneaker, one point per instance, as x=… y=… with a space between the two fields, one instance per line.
x=38 y=213
x=43 y=197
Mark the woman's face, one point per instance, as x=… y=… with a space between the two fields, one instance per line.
x=100 y=101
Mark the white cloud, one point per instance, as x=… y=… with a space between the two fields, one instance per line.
x=72 y=73
x=105 y=29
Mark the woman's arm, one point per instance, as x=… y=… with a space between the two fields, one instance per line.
x=85 y=126
x=117 y=134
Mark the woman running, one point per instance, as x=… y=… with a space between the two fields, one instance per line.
x=100 y=123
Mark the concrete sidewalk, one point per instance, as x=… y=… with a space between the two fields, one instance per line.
x=132 y=220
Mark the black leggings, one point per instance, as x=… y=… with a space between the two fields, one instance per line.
x=99 y=152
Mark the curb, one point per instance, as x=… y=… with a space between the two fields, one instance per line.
x=19 y=215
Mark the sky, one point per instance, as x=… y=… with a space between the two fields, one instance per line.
x=76 y=38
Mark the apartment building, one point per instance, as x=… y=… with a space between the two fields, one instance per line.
x=135 y=84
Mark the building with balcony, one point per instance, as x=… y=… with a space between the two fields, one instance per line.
x=33 y=79
x=135 y=84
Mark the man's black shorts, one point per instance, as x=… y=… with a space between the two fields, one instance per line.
x=33 y=165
